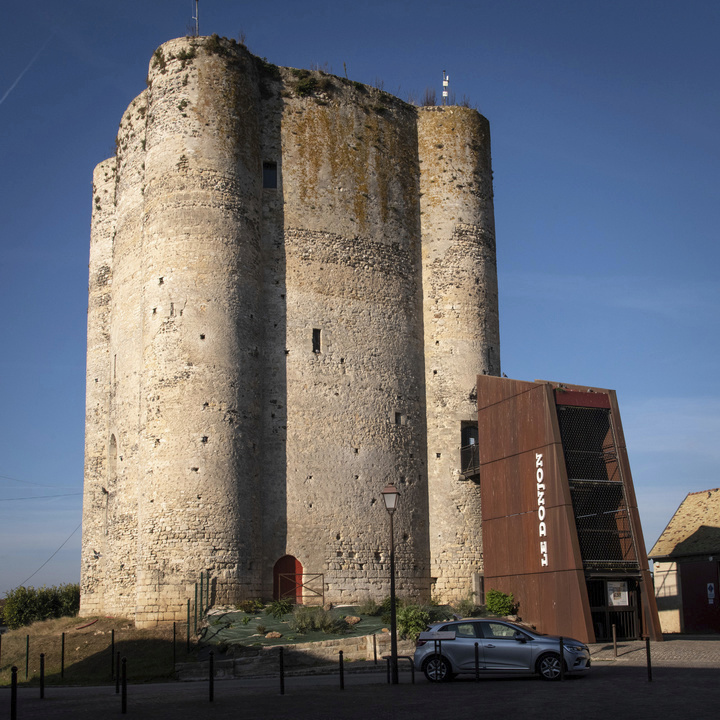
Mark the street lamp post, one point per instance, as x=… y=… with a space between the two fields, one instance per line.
x=390 y=497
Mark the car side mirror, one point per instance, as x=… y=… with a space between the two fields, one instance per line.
x=520 y=637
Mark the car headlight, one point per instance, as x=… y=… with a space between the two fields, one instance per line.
x=575 y=648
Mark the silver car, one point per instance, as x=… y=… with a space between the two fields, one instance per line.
x=448 y=648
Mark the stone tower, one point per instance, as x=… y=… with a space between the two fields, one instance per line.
x=292 y=288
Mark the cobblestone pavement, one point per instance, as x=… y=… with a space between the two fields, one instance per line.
x=694 y=650
x=686 y=684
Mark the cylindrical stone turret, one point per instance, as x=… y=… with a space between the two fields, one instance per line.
x=95 y=500
x=199 y=485
x=460 y=307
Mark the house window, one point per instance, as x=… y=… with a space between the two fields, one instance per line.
x=316 y=340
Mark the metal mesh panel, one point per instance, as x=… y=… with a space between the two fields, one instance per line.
x=603 y=525
x=598 y=496
x=588 y=444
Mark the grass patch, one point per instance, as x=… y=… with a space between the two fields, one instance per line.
x=88 y=651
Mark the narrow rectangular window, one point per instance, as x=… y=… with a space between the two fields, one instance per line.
x=270 y=176
x=316 y=340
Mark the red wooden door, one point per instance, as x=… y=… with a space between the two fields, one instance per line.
x=287 y=579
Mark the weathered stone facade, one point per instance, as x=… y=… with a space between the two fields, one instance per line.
x=292 y=289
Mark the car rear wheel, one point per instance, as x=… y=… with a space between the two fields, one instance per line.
x=437 y=669
x=548 y=666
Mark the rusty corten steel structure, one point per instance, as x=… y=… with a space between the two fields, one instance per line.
x=561 y=529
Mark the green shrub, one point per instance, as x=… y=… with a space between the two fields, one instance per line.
x=467 y=607
x=159 y=60
x=499 y=603
x=412 y=620
x=306 y=86
x=25 y=605
x=261 y=629
x=248 y=606
x=369 y=607
x=268 y=69
x=386 y=609
x=306 y=619
x=185 y=56
x=214 y=46
x=278 y=608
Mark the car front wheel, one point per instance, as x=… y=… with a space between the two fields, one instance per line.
x=548 y=667
x=437 y=669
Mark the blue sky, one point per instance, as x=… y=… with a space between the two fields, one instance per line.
x=604 y=120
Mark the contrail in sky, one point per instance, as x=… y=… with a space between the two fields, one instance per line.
x=28 y=66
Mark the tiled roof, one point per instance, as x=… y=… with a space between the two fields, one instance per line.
x=694 y=529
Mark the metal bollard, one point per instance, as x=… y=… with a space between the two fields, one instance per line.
x=342 y=671
x=649 y=661
x=117 y=675
x=188 y=626
x=202 y=588
x=375 y=648
x=112 y=654
x=0 y=650
x=174 y=631
x=124 y=687
x=27 y=655
x=212 y=676
x=614 y=639
x=562 y=659
x=62 y=657
x=282 y=672
x=13 y=694
x=477 y=663
x=42 y=676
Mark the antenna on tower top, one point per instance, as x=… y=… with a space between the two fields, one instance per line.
x=446 y=85
x=196 y=18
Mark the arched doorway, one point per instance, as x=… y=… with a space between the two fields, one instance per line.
x=287 y=579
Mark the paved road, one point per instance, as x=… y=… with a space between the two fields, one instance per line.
x=686 y=684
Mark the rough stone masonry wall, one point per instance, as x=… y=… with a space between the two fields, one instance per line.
x=355 y=406
x=110 y=558
x=96 y=498
x=462 y=341
x=224 y=438
x=201 y=276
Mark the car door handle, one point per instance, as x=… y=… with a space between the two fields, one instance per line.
x=489 y=645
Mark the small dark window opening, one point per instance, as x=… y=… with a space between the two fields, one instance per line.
x=316 y=340
x=270 y=174
x=469 y=450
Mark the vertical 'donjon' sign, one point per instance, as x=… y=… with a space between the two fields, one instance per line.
x=542 y=525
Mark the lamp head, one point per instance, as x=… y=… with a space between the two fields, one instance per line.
x=390 y=497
